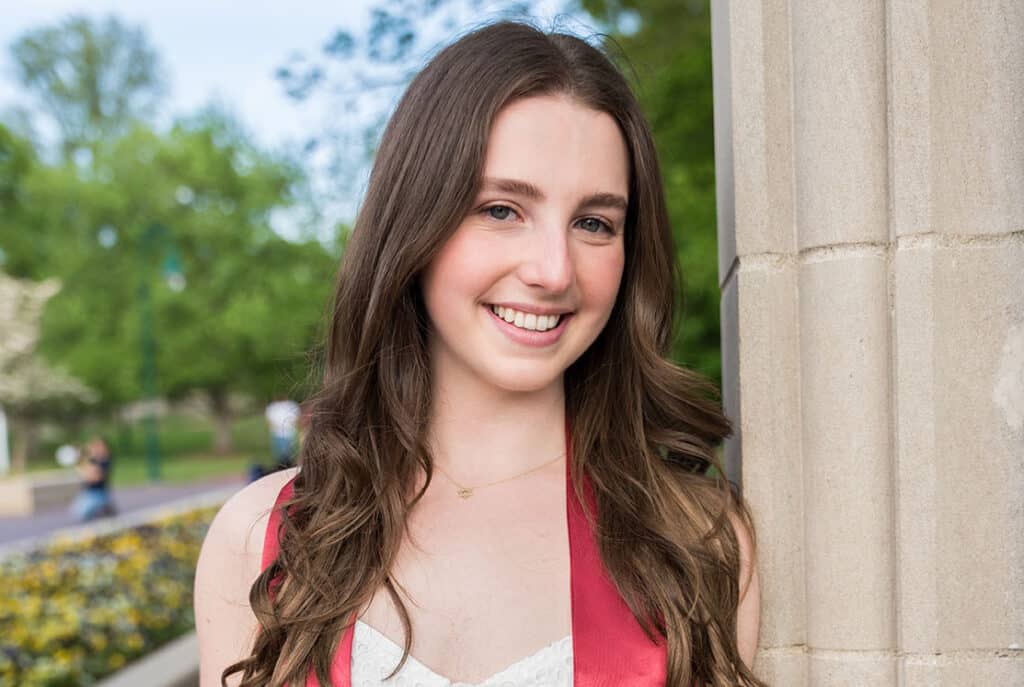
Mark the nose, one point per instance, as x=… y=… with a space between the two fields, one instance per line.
x=547 y=259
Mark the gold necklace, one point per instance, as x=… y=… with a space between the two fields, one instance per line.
x=465 y=492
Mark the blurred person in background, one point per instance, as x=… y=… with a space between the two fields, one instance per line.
x=94 y=499
x=283 y=417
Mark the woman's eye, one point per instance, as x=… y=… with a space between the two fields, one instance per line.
x=593 y=225
x=499 y=212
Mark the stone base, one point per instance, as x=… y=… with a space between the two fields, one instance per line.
x=31 y=493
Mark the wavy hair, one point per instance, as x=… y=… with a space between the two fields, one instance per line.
x=644 y=429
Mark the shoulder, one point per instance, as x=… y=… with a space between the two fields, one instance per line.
x=229 y=563
x=748 y=614
x=240 y=524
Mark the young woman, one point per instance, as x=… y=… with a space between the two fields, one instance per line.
x=504 y=479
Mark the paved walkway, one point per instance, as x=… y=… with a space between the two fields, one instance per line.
x=127 y=499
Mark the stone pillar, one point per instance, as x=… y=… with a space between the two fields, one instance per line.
x=870 y=165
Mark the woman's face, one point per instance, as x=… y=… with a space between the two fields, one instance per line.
x=528 y=279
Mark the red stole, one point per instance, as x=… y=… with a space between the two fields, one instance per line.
x=609 y=647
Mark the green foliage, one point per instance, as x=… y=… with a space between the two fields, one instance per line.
x=17 y=163
x=251 y=300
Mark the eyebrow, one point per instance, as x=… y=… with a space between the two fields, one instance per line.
x=528 y=190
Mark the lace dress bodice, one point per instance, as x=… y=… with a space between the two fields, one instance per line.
x=374 y=656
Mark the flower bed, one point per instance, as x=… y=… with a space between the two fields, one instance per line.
x=75 y=611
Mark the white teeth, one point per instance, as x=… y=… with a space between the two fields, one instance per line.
x=528 y=321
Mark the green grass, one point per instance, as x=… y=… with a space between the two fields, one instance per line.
x=133 y=470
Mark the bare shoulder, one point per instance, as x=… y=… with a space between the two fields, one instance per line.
x=241 y=522
x=748 y=615
x=229 y=563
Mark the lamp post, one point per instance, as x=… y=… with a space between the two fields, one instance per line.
x=155 y=237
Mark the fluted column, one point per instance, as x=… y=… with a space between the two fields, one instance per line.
x=870 y=165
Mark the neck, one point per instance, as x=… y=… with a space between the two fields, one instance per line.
x=479 y=433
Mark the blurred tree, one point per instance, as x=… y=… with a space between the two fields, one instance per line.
x=664 y=47
x=17 y=161
x=92 y=79
x=251 y=300
x=39 y=210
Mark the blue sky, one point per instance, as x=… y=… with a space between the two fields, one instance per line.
x=222 y=51
x=212 y=49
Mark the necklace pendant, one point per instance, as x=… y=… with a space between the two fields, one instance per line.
x=465 y=492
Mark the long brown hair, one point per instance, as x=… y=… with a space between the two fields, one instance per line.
x=644 y=429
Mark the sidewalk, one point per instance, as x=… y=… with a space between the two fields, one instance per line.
x=127 y=500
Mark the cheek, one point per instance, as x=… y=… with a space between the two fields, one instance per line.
x=601 y=276
x=456 y=273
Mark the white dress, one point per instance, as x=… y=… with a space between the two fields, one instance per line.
x=374 y=656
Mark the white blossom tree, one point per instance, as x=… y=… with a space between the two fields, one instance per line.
x=29 y=386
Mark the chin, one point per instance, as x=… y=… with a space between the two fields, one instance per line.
x=524 y=379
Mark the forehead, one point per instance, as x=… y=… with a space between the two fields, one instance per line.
x=559 y=145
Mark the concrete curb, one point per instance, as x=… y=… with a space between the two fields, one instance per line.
x=121 y=522
x=175 y=664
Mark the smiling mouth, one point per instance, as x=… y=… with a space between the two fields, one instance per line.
x=527 y=320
